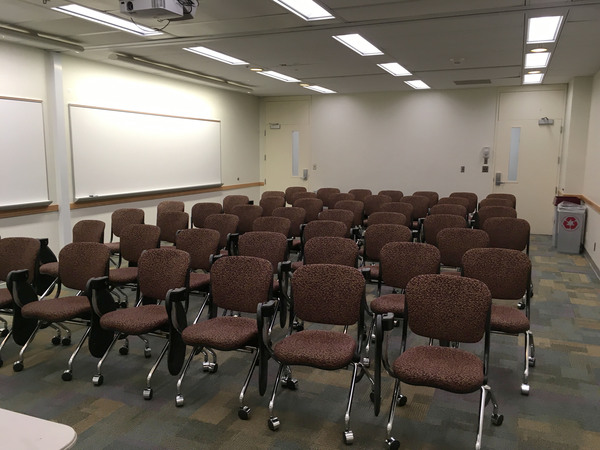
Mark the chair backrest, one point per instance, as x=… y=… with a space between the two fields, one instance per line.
x=454 y=242
x=509 y=197
x=136 y=238
x=170 y=223
x=455 y=201
x=506 y=272
x=328 y=294
x=324 y=194
x=494 y=211
x=360 y=194
x=89 y=231
x=224 y=223
x=200 y=211
x=272 y=194
x=296 y=216
x=122 y=217
x=377 y=235
x=268 y=245
x=302 y=194
x=401 y=261
x=200 y=243
x=247 y=214
x=471 y=196
x=160 y=270
x=331 y=250
x=18 y=253
x=341 y=215
x=169 y=205
x=388 y=217
x=80 y=261
x=395 y=194
x=291 y=191
x=324 y=228
x=240 y=283
x=448 y=208
x=495 y=201
x=431 y=195
x=312 y=206
x=508 y=232
x=229 y=201
x=272 y=223
x=419 y=203
x=433 y=224
x=451 y=309
x=400 y=207
x=338 y=197
x=373 y=203
x=268 y=204
x=356 y=206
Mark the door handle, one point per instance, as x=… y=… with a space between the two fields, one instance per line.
x=499 y=179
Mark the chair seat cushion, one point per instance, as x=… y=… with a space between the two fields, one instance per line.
x=137 y=320
x=114 y=247
x=57 y=309
x=222 y=333
x=389 y=303
x=328 y=350
x=507 y=319
x=373 y=271
x=122 y=275
x=6 y=300
x=50 y=268
x=199 y=280
x=450 y=369
x=296 y=265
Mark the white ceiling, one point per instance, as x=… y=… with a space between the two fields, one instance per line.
x=486 y=37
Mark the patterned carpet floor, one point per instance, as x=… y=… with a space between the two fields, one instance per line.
x=561 y=412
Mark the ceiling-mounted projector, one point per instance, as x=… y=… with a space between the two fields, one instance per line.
x=160 y=9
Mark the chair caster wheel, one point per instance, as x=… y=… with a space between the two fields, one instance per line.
x=393 y=444
x=524 y=389
x=531 y=361
x=148 y=394
x=273 y=424
x=98 y=380
x=147 y=353
x=17 y=366
x=348 y=437
x=55 y=340
x=521 y=305
x=66 y=341
x=402 y=399
x=4 y=332
x=366 y=362
x=210 y=367
x=123 y=350
x=497 y=419
x=290 y=383
x=179 y=401
x=244 y=412
x=67 y=375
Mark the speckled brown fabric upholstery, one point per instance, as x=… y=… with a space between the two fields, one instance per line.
x=229 y=201
x=388 y=303
x=137 y=238
x=312 y=207
x=247 y=214
x=357 y=208
x=268 y=245
x=18 y=253
x=199 y=280
x=509 y=197
x=373 y=203
x=170 y=223
x=201 y=210
x=507 y=319
x=455 y=201
x=295 y=215
x=57 y=309
x=454 y=242
x=419 y=203
x=431 y=195
x=341 y=215
x=224 y=223
x=50 y=269
x=339 y=196
x=495 y=202
x=433 y=224
x=395 y=195
x=122 y=275
x=6 y=300
x=324 y=228
x=328 y=293
x=331 y=250
x=401 y=261
x=448 y=208
x=388 y=217
x=402 y=208
x=161 y=269
x=470 y=196
x=291 y=191
x=135 y=321
x=89 y=231
x=169 y=205
x=495 y=211
x=507 y=232
x=222 y=333
x=240 y=283
x=325 y=194
x=121 y=218
x=377 y=235
x=360 y=194
x=272 y=223
x=80 y=261
x=268 y=204
x=200 y=243
x=272 y=194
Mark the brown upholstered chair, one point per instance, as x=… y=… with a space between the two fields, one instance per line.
x=455 y=201
x=431 y=195
x=448 y=208
x=508 y=232
x=225 y=224
x=297 y=217
x=360 y=194
x=375 y=237
x=200 y=243
x=492 y=211
x=312 y=207
x=272 y=223
x=395 y=218
x=229 y=201
x=16 y=254
x=325 y=349
x=268 y=204
x=331 y=250
x=201 y=210
x=402 y=208
x=507 y=274
x=394 y=194
x=449 y=309
x=434 y=223
x=247 y=215
x=302 y=194
x=291 y=191
x=170 y=223
x=169 y=205
x=495 y=201
x=454 y=242
x=338 y=197
x=420 y=206
x=272 y=194
x=241 y=284
x=160 y=270
x=373 y=203
x=79 y=262
x=119 y=219
x=341 y=215
x=510 y=197
x=325 y=194
x=470 y=196
x=356 y=206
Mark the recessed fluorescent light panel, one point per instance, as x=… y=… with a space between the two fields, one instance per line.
x=543 y=29
x=203 y=51
x=395 y=69
x=417 y=84
x=106 y=19
x=536 y=60
x=320 y=89
x=278 y=76
x=533 y=78
x=359 y=44
x=306 y=9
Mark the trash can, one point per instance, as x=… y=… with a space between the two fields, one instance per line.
x=570 y=225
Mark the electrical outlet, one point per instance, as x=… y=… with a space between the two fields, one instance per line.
x=462 y=169
x=485 y=169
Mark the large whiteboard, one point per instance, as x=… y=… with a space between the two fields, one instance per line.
x=117 y=152
x=23 y=179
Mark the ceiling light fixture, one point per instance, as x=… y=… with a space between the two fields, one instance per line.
x=320 y=89
x=543 y=29
x=106 y=19
x=359 y=44
x=417 y=84
x=533 y=78
x=538 y=50
x=395 y=69
x=278 y=76
x=38 y=40
x=536 y=60
x=203 y=51
x=306 y=9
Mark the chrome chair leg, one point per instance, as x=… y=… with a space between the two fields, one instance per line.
x=67 y=375
x=18 y=365
x=525 y=384
x=148 y=391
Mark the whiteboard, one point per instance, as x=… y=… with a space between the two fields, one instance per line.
x=117 y=153
x=23 y=179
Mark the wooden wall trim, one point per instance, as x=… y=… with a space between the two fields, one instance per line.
x=28 y=211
